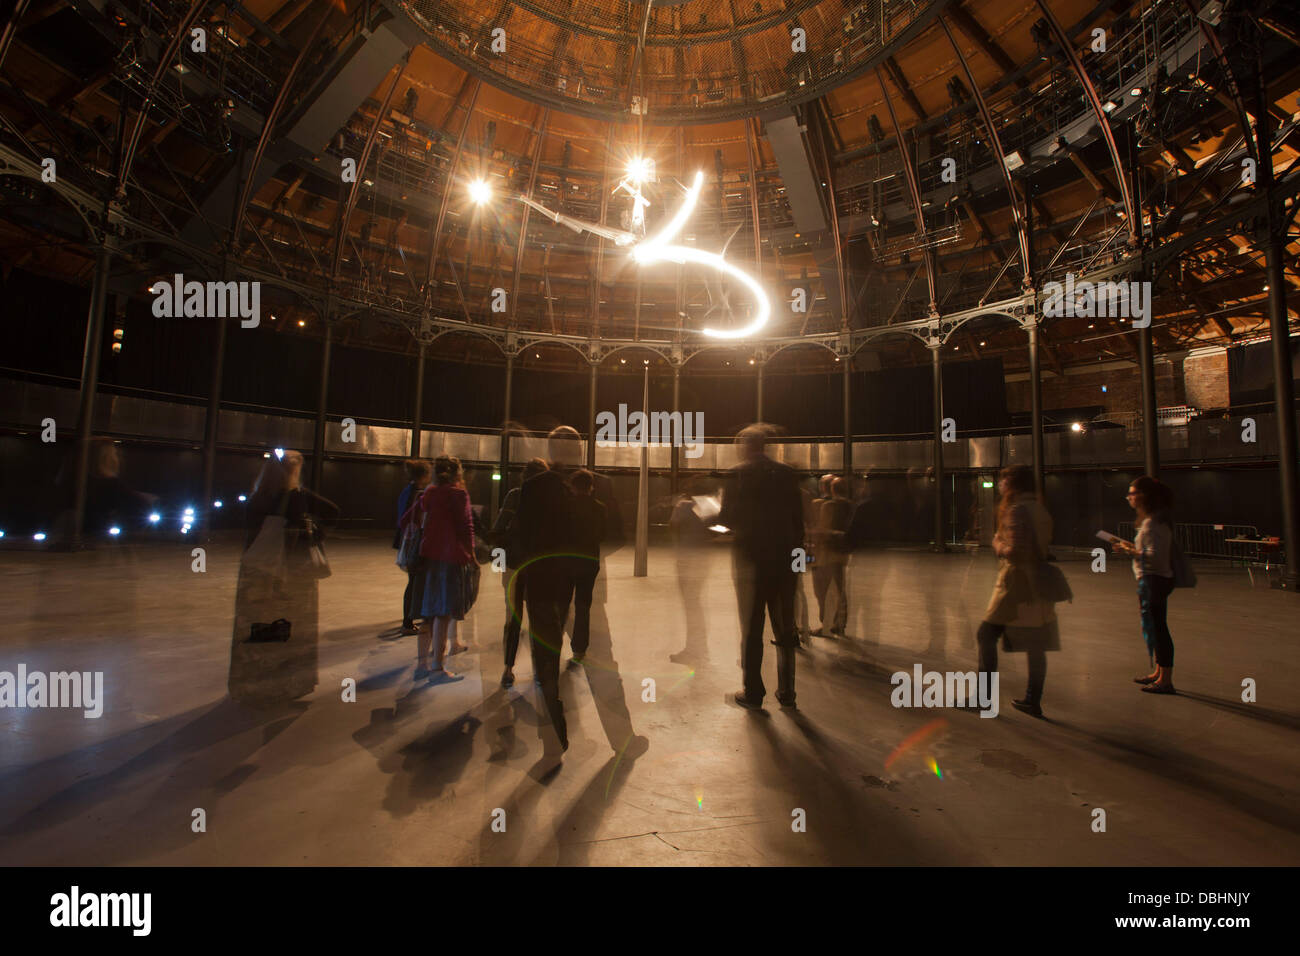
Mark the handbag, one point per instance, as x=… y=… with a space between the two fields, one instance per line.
x=408 y=553
x=1052 y=583
x=1184 y=576
x=472 y=577
x=314 y=561
x=277 y=631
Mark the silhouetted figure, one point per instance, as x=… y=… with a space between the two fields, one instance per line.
x=274 y=646
x=764 y=511
x=1152 y=551
x=505 y=535
x=589 y=515
x=419 y=474
x=550 y=535
x=690 y=536
x=829 y=579
x=1018 y=611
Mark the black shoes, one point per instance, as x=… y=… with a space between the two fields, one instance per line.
x=740 y=698
x=787 y=702
x=1028 y=707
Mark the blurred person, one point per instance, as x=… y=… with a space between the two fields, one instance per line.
x=418 y=473
x=762 y=508
x=550 y=534
x=829 y=578
x=445 y=594
x=589 y=518
x=1152 y=550
x=505 y=535
x=813 y=529
x=1018 y=612
x=110 y=501
x=799 y=618
x=277 y=599
x=690 y=536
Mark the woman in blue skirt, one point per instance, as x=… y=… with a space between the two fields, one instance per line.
x=446 y=592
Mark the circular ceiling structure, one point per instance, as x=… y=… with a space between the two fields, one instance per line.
x=689 y=61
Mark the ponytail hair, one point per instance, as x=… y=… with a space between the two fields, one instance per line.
x=447 y=470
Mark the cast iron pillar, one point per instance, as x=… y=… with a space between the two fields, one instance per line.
x=318 y=459
x=89 y=385
x=936 y=375
x=417 y=416
x=1035 y=403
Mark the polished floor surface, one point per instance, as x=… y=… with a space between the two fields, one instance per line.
x=412 y=773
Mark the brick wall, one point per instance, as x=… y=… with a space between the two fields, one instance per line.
x=1123 y=389
x=1206 y=378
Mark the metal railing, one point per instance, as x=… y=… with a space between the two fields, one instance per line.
x=1213 y=540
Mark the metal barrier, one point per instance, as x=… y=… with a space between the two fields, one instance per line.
x=1209 y=540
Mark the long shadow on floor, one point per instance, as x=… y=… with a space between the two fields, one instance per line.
x=220 y=737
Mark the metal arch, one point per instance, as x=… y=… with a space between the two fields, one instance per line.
x=272 y=117
x=496 y=339
x=517 y=343
x=1103 y=123
x=446 y=193
x=523 y=218
x=1212 y=39
x=9 y=167
x=164 y=63
x=829 y=346
x=663 y=349
x=308 y=300
x=906 y=153
x=998 y=152
x=345 y=215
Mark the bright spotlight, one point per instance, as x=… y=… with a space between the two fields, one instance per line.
x=115 y=531
x=279 y=453
x=243 y=497
x=640 y=170
x=480 y=192
x=154 y=518
x=1076 y=427
x=39 y=536
x=189 y=512
x=218 y=503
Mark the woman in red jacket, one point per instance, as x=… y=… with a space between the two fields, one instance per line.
x=447 y=546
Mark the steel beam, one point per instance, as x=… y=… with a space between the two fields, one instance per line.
x=905 y=153
x=1103 y=122
x=999 y=156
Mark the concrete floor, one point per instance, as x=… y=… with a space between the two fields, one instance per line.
x=413 y=774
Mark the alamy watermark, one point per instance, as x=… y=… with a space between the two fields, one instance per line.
x=77 y=909
x=949 y=689
x=639 y=429
x=73 y=689
x=208 y=300
x=1129 y=300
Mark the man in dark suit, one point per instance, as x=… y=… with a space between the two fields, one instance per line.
x=764 y=511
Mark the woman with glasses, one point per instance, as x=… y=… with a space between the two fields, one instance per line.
x=1152 y=552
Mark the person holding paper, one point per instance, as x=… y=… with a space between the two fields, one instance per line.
x=1152 y=552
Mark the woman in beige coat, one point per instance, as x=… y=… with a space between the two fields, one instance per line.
x=1017 y=612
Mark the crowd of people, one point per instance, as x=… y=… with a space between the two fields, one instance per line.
x=558 y=525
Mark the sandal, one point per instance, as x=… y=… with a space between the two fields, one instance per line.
x=1145 y=680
